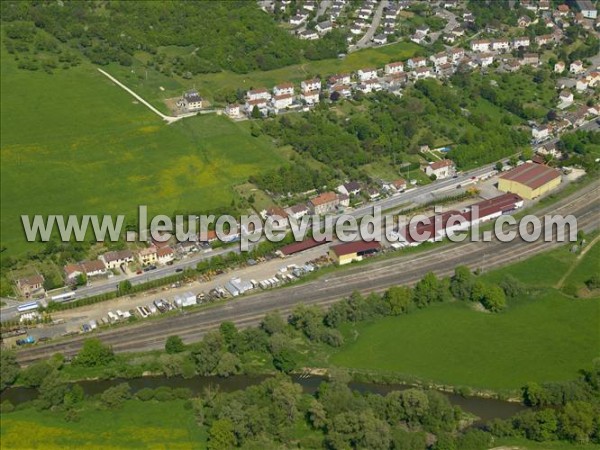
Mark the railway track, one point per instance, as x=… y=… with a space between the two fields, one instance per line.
x=376 y=277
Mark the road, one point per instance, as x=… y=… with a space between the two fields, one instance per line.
x=377 y=276
x=451 y=23
x=365 y=41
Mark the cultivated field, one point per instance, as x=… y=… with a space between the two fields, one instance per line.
x=74 y=143
x=545 y=336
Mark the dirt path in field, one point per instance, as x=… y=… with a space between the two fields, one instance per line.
x=579 y=257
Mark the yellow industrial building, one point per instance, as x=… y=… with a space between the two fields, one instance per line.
x=353 y=251
x=530 y=180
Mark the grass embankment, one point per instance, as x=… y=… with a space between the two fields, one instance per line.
x=74 y=143
x=543 y=336
x=136 y=425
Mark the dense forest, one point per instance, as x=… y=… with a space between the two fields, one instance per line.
x=233 y=35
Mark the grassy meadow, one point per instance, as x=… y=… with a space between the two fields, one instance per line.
x=544 y=336
x=136 y=425
x=74 y=143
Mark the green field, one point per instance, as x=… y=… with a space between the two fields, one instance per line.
x=136 y=425
x=74 y=143
x=545 y=336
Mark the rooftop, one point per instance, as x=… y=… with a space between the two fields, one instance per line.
x=531 y=175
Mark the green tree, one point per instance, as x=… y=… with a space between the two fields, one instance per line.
x=494 y=299
x=399 y=299
x=115 y=396
x=229 y=364
x=124 y=287
x=94 y=354
x=34 y=375
x=9 y=368
x=428 y=290
x=577 y=421
x=461 y=283
x=174 y=344
x=255 y=114
x=220 y=435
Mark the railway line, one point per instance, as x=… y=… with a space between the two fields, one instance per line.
x=374 y=277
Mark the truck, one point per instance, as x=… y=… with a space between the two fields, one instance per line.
x=25 y=341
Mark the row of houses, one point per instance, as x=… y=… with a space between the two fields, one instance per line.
x=115 y=259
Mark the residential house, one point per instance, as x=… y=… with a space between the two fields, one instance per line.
x=309 y=35
x=369 y=86
x=563 y=10
x=441 y=169
x=309 y=6
x=380 y=39
x=391 y=13
x=31 y=286
x=283 y=89
x=258 y=94
x=115 y=259
x=297 y=211
x=398 y=185
x=191 y=101
x=540 y=133
x=486 y=59
x=500 y=45
x=165 y=255
x=350 y=188
x=94 y=268
x=233 y=110
x=148 y=255
x=449 y=39
x=72 y=271
x=324 y=203
x=422 y=29
x=445 y=70
x=439 y=58
x=468 y=17
x=282 y=101
x=324 y=27
x=524 y=21
x=310 y=97
x=393 y=68
x=544 y=5
x=260 y=103
x=576 y=67
x=588 y=10
x=367 y=74
x=456 y=54
x=593 y=79
x=544 y=39
x=458 y=32
x=344 y=200
x=566 y=96
x=482 y=45
x=513 y=65
x=298 y=19
x=364 y=14
x=413 y=63
x=356 y=29
x=339 y=79
x=422 y=72
x=520 y=42
x=344 y=90
x=418 y=38
x=373 y=193
x=581 y=85
x=311 y=85
x=559 y=67
x=531 y=59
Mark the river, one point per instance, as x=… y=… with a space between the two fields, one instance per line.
x=484 y=408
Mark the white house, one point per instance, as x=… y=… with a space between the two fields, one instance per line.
x=559 y=67
x=233 y=110
x=480 y=45
x=380 y=39
x=311 y=85
x=441 y=169
x=439 y=58
x=520 y=42
x=94 y=268
x=260 y=103
x=340 y=79
x=298 y=19
x=422 y=72
x=393 y=68
x=540 y=133
x=576 y=67
x=486 y=59
x=165 y=255
x=283 y=89
x=587 y=9
x=581 y=85
x=113 y=260
x=500 y=45
x=456 y=54
x=324 y=27
x=366 y=74
x=257 y=94
x=369 y=86
x=282 y=101
x=544 y=39
x=350 y=188
x=309 y=35
x=413 y=63
x=310 y=97
x=343 y=89
x=566 y=97
x=297 y=211
x=191 y=101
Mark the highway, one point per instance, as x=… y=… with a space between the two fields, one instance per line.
x=376 y=276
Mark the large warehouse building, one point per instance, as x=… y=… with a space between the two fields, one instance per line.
x=529 y=180
x=353 y=251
